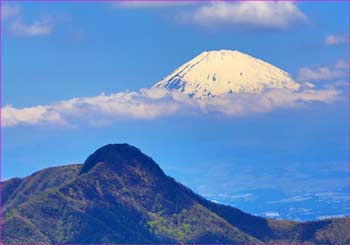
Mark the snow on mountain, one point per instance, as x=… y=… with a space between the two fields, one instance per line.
x=222 y=72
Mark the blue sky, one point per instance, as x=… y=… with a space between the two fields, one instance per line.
x=57 y=51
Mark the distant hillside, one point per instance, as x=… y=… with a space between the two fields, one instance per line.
x=120 y=195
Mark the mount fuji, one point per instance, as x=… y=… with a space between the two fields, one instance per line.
x=216 y=73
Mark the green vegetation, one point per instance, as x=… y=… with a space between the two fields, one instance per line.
x=122 y=196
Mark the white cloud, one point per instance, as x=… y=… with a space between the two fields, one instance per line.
x=156 y=102
x=242 y=197
x=336 y=39
x=293 y=199
x=333 y=196
x=323 y=73
x=271 y=215
x=331 y=216
x=269 y=15
x=40 y=27
x=31 y=115
x=14 y=24
x=150 y=4
x=322 y=196
x=99 y=110
x=244 y=104
x=320 y=73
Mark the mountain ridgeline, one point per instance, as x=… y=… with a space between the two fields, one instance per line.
x=226 y=72
x=120 y=195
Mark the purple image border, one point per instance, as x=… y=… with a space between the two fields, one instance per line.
x=198 y=1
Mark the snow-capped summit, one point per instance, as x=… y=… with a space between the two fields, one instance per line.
x=221 y=72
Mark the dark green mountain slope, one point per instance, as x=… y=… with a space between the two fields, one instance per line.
x=18 y=190
x=120 y=195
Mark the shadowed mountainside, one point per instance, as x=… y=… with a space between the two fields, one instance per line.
x=120 y=195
